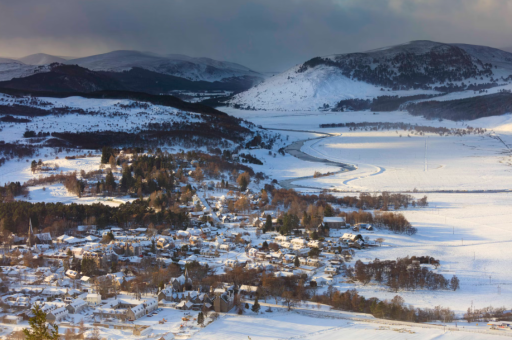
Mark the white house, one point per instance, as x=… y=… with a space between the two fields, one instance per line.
x=314 y=244
x=331 y=271
x=299 y=242
x=282 y=238
x=252 y=252
x=71 y=274
x=93 y=299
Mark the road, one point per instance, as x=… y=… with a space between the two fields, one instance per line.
x=294 y=149
x=366 y=318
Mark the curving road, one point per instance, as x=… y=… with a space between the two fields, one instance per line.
x=294 y=149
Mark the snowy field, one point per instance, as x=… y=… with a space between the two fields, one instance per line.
x=116 y=115
x=108 y=115
x=392 y=161
x=296 y=326
x=469 y=232
x=280 y=325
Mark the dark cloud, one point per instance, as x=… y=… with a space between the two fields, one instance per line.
x=262 y=34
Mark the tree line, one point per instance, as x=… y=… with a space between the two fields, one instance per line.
x=402 y=274
x=411 y=128
x=57 y=218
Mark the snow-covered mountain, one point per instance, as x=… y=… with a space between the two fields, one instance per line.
x=10 y=68
x=406 y=69
x=129 y=64
x=176 y=65
x=41 y=59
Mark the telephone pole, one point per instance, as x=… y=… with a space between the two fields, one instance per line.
x=426 y=163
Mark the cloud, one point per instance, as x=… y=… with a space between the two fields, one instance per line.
x=262 y=34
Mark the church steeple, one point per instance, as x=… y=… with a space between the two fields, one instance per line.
x=30 y=233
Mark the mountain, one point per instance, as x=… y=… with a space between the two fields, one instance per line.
x=173 y=64
x=65 y=78
x=10 y=68
x=73 y=78
x=41 y=59
x=140 y=79
x=8 y=61
x=138 y=71
x=417 y=67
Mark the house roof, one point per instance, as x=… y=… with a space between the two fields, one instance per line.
x=77 y=303
x=334 y=219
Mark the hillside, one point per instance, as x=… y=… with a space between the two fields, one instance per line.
x=137 y=71
x=10 y=68
x=41 y=59
x=65 y=78
x=73 y=78
x=413 y=68
x=140 y=79
x=176 y=65
x=162 y=100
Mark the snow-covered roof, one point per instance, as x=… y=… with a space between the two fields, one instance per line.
x=78 y=303
x=334 y=219
x=59 y=311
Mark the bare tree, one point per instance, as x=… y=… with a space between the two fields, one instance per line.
x=380 y=240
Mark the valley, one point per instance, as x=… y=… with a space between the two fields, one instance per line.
x=365 y=194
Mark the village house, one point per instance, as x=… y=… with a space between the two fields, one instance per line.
x=57 y=315
x=353 y=240
x=76 y=306
x=334 y=222
x=103 y=258
x=331 y=271
x=132 y=249
x=136 y=312
x=289 y=258
x=72 y=274
x=315 y=244
x=298 y=242
x=93 y=299
x=224 y=300
x=178 y=283
x=165 y=294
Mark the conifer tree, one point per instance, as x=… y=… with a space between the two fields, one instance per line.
x=256 y=306
x=39 y=330
x=268 y=223
x=200 y=318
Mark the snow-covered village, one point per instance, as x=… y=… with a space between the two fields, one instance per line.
x=255 y=170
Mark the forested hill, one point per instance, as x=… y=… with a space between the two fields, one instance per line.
x=73 y=78
x=163 y=100
x=417 y=67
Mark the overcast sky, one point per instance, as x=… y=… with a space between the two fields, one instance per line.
x=266 y=35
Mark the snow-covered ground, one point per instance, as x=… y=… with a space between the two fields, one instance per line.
x=310 y=90
x=279 y=325
x=469 y=232
x=316 y=83
x=396 y=160
x=112 y=117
